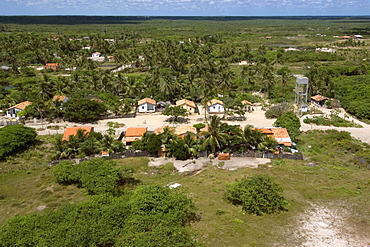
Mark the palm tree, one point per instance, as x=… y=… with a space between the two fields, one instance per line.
x=251 y=137
x=213 y=138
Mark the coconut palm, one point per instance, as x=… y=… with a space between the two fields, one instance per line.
x=213 y=138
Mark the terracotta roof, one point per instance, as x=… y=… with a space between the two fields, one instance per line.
x=51 y=64
x=160 y=130
x=266 y=131
x=133 y=139
x=214 y=101
x=72 y=131
x=281 y=135
x=319 y=97
x=182 y=130
x=146 y=100
x=246 y=102
x=59 y=98
x=97 y=100
x=280 y=132
x=21 y=105
x=135 y=132
x=185 y=102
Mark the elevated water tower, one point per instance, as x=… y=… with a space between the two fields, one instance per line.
x=301 y=92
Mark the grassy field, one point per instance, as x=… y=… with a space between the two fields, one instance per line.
x=322 y=180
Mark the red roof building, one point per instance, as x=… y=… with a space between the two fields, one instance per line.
x=72 y=131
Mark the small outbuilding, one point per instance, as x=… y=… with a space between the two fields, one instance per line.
x=135 y=134
x=146 y=105
x=12 y=111
x=53 y=66
x=215 y=106
x=186 y=104
x=72 y=131
x=319 y=100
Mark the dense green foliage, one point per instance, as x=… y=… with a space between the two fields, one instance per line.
x=149 y=216
x=83 y=110
x=98 y=176
x=353 y=93
x=291 y=122
x=15 y=138
x=257 y=195
x=276 y=111
x=175 y=112
x=83 y=144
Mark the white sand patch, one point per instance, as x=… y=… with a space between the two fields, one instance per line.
x=327 y=226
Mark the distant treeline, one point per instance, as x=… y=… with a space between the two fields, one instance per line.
x=76 y=20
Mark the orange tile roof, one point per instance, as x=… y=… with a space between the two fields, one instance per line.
x=72 y=131
x=133 y=139
x=59 y=98
x=160 y=130
x=266 y=131
x=246 y=102
x=97 y=100
x=21 y=105
x=214 y=101
x=182 y=130
x=146 y=100
x=319 y=97
x=185 y=102
x=280 y=132
x=51 y=64
x=136 y=132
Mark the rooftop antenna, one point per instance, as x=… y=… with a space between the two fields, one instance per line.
x=301 y=92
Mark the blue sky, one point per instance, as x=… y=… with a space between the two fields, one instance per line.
x=186 y=7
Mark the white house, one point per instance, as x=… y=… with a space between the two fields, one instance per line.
x=216 y=106
x=96 y=54
x=12 y=111
x=146 y=105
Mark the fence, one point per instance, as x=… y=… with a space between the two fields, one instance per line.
x=126 y=154
x=252 y=154
x=5 y=123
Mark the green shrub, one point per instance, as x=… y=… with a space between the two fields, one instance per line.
x=98 y=176
x=15 y=137
x=257 y=195
x=278 y=110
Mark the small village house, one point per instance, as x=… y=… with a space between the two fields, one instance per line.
x=188 y=105
x=53 y=66
x=146 y=105
x=247 y=105
x=72 y=131
x=135 y=134
x=96 y=54
x=281 y=135
x=319 y=100
x=60 y=98
x=215 y=106
x=12 y=111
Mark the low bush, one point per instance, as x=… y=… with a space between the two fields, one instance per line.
x=257 y=195
x=276 y=111
x=98 y=176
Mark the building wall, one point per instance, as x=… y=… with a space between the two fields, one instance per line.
x=188 y=108
x=216 y=108
x=12 y=112
x=146 y=107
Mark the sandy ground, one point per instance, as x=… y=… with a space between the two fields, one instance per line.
x=155 y=120
x=199 y=164
x=327 y=226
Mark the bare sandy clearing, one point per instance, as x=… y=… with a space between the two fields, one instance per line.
x=328 y=226
x=198 y=164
